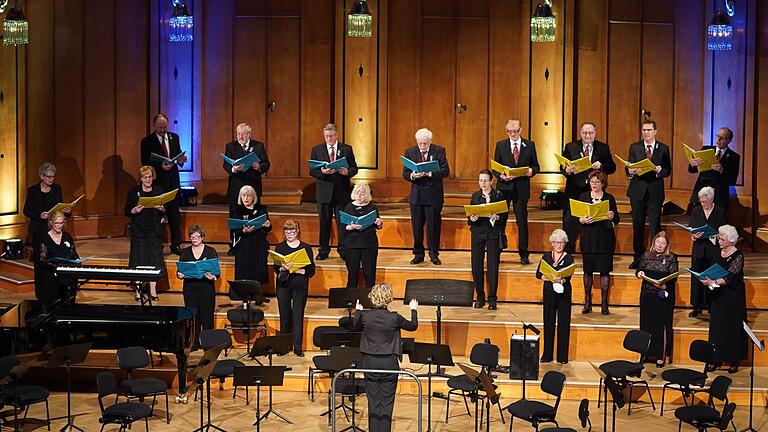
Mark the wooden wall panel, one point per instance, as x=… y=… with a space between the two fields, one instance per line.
x=760 y=157
x=592 y=66
x=505 y=52
x=250 y=75
x=9 y=131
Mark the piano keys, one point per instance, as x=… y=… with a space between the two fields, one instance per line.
x=110 y=273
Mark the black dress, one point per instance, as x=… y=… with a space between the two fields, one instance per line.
x=598 y=239
x=728 y=311
x=656 y=310
x=704 y=252
x=362 y=247
x=251 y=249
x=37 y=202
x=292 y=290
x=200 y=294
x=557 y=308
x=146 y=230
x=48 y=286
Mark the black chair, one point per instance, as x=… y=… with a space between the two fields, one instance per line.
x=486 y=356
x=535 y=412
x=583 y=418
x=123 y=413
x=681 y=379
x=638 y=342
x=246 y=317
x=20 y=396
x=224 y=368
x=706 y=416
x=130 y=359
x=321 y=363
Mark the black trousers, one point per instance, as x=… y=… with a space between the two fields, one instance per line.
x=291 y=301
x=481 y=248
x=520 y=207
x=173 y=214
x=203 y=300
x=700 y=294
x=572 y=227
x=641 y=209
x=380 y=390
x=326 y=213
x=432 y=217
x=557 y=308
x=354 y=258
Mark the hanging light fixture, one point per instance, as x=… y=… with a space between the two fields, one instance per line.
x=15 y=26
x=543 y=23
x=181 y=25
x=360 y=20
x=720 y=33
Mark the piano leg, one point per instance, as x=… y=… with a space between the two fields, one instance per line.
x=181 y=362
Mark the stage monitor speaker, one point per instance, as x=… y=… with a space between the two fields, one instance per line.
x=531 y=349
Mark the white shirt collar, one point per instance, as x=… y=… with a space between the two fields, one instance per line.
x=518 y=142
x=336 y=144
x=160 y=136
x=653 y=144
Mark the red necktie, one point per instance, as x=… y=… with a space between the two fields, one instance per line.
x=719 y=154
x=165 y=146
x=648 y=151
x=332 y=154
x=515 y=153
x=424 y=156
x=586 y=150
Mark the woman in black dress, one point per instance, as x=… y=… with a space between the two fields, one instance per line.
x=251 y=247
x=292 y=287
x=657 y=303
x=362 y=245
x=56 y=243
x=557 y=299
x=145 y=227
x=705 y=250
x=486 y=232
x=381 y=349
x=41 y=197
x=199 y=294
x=598 y=241
x=729 y=303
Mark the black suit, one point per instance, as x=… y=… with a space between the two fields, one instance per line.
x=721 y=182
x=251 y=177
x=332 y=193
x=485 y=239
x=646 y=193
x=517 y=190
x=577 y=184
x=381 y=346
x=426 y=200
x=168 y=179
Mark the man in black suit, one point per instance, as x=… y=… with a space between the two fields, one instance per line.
x=238 y=176
x=426 y=199
x=723 y=174
x=166 y=144
x=576 y=184
x=516 y=152
x=646 y=192
x=333 y=188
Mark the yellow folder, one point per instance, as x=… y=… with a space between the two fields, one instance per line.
x=503 y=169
x=485 y=210
x=707 y=156
x=598 y=211
x=62 y=206
x=299 y=259
x=645 y=165
x=552 y=274
x=158 y=200
x=581 y=165
x=662 y=281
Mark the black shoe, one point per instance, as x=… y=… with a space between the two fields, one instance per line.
x=633 y=265
x=479 y=304
x=714 y=366
x=525 y=261
x=321 y=256
x=543 y=360
x=175 y=249
x=694 y=313
x=155 y=298
x=417 y=260
x=492 y=305
x=298 y=352
x=436 y=261
x=586 y=309
x=733 y=369
x=563 y=362
x=604 y=310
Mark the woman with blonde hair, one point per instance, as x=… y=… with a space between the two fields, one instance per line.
x=361 y=244
x=250 y=243
x=56 y=243
x=381 y=348
x=557 y=299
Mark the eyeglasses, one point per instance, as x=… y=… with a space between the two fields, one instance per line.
x=195 y=236
x=558 y=242
x=51 y=177
x=291 y=231
x=595 y=182
x=513 y=130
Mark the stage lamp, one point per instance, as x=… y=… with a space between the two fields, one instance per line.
x=181 y=24
x=15 y=26
x=188 y=196
x=551 y=199
x=360 y=20
x=720 y=33
x=543 y=23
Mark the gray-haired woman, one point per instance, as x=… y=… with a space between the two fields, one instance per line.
x=704 y=251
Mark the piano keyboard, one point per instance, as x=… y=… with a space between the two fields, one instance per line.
x=110 y=272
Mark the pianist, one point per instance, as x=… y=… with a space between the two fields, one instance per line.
x=56 y=243
x=199 y=294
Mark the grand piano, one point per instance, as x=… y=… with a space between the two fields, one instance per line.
x=30 y=326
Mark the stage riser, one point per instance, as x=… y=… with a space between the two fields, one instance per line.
x=397 y=232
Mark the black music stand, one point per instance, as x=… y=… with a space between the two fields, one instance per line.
x=429 y=354
x=617 y=397
x=760 y=344
x=259 y=376
x=201 y=376
x=67 y=356
x=346 y=339
x=269 y=346
x=246 y=291
x=344 y=358
x=484 y=382
x=523 y=354
x=347 y=298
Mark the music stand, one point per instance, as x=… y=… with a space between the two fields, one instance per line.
x=760 y=344
x=617 y=397
x=439 y=292
x=201 y=375
x=344 y=358
x=347 y=298
x=429 y=354
x=484 y=382
x=67 y=356
x=345 y=339
x=269 y=346
x=246 y=291
x=259 y=376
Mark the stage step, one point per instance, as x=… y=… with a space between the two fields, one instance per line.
x=16 y=282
